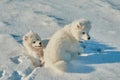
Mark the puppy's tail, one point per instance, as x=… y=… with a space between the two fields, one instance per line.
x=60 y=66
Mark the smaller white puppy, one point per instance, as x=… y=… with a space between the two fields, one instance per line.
x=64 y=45
x=33 y=45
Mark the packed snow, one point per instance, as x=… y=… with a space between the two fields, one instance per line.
x=101 y=57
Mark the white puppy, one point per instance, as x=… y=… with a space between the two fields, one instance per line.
x=33 y=45
x=64 y=45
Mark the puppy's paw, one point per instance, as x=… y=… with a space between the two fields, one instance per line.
x=42 y=63
x=79 y=53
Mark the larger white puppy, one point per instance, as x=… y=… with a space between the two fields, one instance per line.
x=64 y=45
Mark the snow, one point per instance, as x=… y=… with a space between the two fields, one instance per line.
x=101 y=57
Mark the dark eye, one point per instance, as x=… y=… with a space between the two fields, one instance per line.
x=33 y=41
x=40 y=43
x=83 y=32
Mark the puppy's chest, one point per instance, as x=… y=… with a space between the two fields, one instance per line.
x=74 y=46
x=34 y=54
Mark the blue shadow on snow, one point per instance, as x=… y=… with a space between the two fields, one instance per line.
x=59 y=20
x=18 y=38
x=99 y=53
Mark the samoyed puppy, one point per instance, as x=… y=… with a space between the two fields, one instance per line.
x=33 y=45
x=64 y=45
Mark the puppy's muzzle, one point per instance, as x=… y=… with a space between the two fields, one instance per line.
x=88 y=38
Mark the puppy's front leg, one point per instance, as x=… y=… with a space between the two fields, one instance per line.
x=80 y=50
x=42 y=62
x=75 y=54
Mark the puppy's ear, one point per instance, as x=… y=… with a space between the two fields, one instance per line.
x=25 y=38
x=79 y=27
x=31 y=32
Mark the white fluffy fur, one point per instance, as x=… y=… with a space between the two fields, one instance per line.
x=64 y=45
x=33 y=46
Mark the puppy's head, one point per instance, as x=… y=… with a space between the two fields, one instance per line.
x=32 y=40
x=80 y=29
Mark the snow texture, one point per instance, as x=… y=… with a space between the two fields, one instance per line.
x=101 y=57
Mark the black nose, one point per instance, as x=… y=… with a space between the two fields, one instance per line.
x=40 y=43
x=88 y=38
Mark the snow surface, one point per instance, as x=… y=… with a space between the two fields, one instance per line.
x=101 y=57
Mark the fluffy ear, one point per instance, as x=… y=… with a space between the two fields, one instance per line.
x=84 y=22
x=25 y=38
x=79 y=27
x=31 y=32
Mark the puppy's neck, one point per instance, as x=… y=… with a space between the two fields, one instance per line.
x=67 y=30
